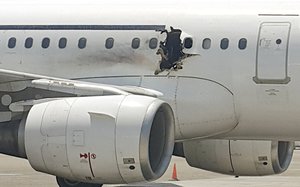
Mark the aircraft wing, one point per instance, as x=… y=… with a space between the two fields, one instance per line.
x=19 y=91
x=12 y=81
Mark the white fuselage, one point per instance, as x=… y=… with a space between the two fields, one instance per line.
x=265 y=109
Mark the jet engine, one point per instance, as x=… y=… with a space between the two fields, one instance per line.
x=108 y=139
x=241 y=157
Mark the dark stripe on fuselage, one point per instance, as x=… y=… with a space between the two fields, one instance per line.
x=83 y=27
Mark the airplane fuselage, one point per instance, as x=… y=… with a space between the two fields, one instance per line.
x=229 y=85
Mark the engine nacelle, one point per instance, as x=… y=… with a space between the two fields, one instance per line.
x=108 y=139
x=241 y=157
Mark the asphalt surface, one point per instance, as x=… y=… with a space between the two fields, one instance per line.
x=16 y=172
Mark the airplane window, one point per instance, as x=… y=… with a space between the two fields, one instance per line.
x=28 y=43
x=135 y=43
x=243 y=43
x=62 y=43
x=153 y=43
x=12 y=42
x=224 y=43
x=45 y=43
x=206 y=43
x=109 y=43
x=188 y=43
x=82 y=43
x=278 y=41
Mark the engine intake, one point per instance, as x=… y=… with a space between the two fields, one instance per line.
x=108 y=139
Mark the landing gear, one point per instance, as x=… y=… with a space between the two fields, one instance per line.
x=68 y=183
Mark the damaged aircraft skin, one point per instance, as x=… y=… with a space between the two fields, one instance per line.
x=171 y=51
x=105 y=92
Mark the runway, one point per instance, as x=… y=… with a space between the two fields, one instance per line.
x=16 y=172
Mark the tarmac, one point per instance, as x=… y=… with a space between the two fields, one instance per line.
x=16 y=172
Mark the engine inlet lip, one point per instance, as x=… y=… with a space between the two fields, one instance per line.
x=146 y=167
x=288 y=154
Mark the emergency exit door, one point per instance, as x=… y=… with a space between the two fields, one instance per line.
x=272 y=54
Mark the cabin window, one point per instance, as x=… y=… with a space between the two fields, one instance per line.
x=45 y=43
x=242 y=43
x=135 y=43
x=82 y=43
x=62 y=43
x=153 y=43
x=224 y=43
x=12 y=42
x=109 y=43
x=188 y=43
x=28 y=43
x=206 y=43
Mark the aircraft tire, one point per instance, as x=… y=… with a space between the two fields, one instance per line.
x=67 y=183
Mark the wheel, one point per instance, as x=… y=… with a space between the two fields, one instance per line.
x=68 y=183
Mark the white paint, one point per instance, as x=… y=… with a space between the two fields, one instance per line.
x=239 y=157
x=10 y=174
x=112 y=127
x=214 y=95
x=272 y=51
x=232 y=68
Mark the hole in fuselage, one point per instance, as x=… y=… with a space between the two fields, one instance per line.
x=170 y=50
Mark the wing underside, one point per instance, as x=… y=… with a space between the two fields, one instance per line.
x=19 y=91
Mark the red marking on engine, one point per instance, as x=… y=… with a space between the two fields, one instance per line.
x=84 y=155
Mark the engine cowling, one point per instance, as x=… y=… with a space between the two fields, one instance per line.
x=108 y=139
x=240 y=157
